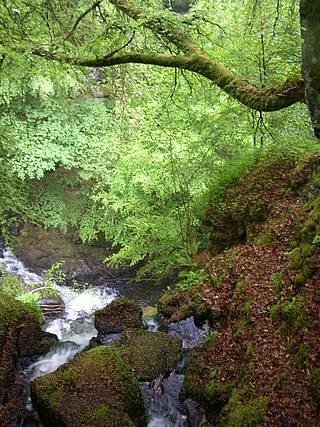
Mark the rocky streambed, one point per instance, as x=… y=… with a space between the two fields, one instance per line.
x=111 y=365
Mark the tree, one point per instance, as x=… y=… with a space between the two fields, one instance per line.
x=310 y=26
x=123 y=21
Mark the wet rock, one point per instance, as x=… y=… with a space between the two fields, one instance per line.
x=187 y=332
x=40 y=249
x=164 y=405
x=94 y=389
x=119 y=315
x=149 y=354
x=196 y=414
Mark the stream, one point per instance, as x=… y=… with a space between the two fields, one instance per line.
x=74 y=328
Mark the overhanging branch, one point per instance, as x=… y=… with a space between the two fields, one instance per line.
x=192 y=58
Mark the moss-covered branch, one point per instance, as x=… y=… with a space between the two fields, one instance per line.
x=189 y=57
x=255 y=97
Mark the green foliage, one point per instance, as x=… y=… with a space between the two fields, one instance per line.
x=55 y=275
x=32 y=299
x=14 y=286
x=191 y=278
x=140 y=164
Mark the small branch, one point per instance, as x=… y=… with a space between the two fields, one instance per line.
x=83 y=15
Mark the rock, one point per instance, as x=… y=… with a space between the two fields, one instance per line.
x=149 y=354
x=149 y=311
x=40 y=249
x=196 y=414
x=119 y=315
x=187 y=332
x=20 y=336
x=94 y=389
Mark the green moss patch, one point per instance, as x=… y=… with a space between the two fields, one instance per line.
x=246 y=413
x=149 y=354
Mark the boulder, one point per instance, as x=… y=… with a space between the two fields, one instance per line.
x=149 y=354
x=117 y=316
x=94 y=389
x=39 y=249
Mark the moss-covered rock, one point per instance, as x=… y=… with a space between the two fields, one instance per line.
x=149 y=354
x=95 y=389
x=119 y=315
x=177 y=304
x=20 y=336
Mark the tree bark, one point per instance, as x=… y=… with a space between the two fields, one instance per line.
x=310 y=31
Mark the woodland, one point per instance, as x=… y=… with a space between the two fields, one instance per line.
x=175 y=131
x=141 y=148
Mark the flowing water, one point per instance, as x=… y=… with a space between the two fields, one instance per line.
x=74 y=328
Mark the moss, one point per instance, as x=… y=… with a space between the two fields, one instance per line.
x=218 y=391
x=245 y=414
x=149 y=311
x=301 y=259
x=311 y=226
x=277 y=284
x=265 y=237
x=115 y=418
x=195 y=369
x=302 y=355
x=292 y=314
x=239 y=289
x=81 y=391
x=149 y=354
x=175 y=305
x=249 y=348
x=117 y=316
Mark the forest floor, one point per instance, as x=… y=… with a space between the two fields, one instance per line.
x=262 y=365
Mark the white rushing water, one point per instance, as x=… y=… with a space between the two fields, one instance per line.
x=11 y=264
x=74 y=328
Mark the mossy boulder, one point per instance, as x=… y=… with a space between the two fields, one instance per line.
x=94 y=389
x=149 y=354
x=119 y=315
x=20 y=336
x=247 y=413
x=177 y=304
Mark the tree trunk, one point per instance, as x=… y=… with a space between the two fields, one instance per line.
x=310 y=30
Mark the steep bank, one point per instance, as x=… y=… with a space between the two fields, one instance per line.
x=261 y=289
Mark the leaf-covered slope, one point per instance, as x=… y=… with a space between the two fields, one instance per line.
x=262 y=366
